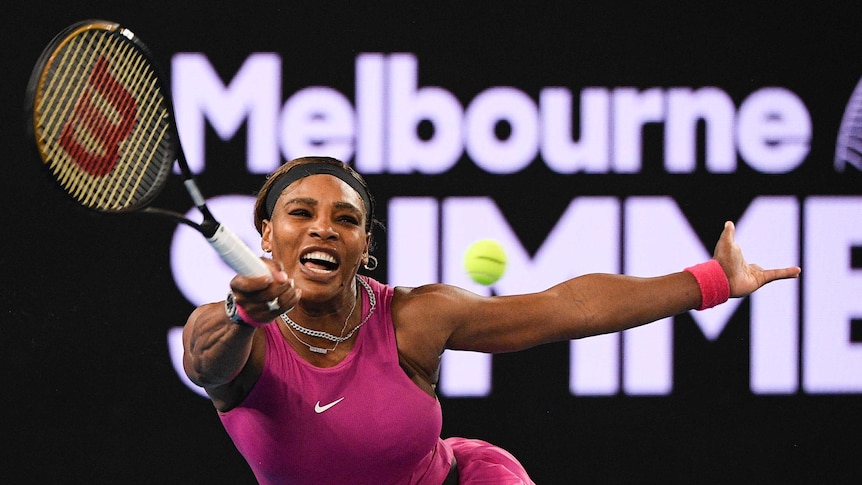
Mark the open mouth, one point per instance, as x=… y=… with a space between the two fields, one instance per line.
x=319 y=261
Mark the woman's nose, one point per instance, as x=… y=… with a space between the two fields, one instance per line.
x=323 y=229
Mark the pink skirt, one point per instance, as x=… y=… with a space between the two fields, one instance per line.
x=480 y=462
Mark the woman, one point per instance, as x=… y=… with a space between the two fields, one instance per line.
x=321 y=376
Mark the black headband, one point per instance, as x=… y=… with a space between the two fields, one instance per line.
x=304 y=170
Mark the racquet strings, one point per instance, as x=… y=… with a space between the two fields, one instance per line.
x=102 y=121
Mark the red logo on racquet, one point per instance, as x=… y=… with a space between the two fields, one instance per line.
x=103 y=116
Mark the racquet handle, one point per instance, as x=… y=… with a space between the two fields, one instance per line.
x=236 y=253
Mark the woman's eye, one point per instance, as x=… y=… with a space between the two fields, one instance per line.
x=300 y=213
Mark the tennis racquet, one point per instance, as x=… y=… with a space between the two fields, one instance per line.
x=103 y=125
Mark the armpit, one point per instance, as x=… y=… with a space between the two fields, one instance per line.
x=427 y=383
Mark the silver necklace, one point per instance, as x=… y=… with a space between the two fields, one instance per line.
x=314 y=348
x=337 y=339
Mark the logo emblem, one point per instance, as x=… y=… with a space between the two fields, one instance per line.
x=92 y=135
x=319 y=409
x=848 y=146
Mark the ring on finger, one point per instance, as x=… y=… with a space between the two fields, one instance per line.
x=273 y=305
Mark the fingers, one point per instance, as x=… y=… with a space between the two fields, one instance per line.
x=254 y=284
x=729 y=232
x=265 y=297
x=781 y=273
x=768 y=275
x=725 y=245
x=286 y=299
x=745 y=278
x=729 y=229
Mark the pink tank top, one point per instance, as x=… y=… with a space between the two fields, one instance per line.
x=362 y=421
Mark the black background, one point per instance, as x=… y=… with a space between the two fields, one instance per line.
x=90 y=394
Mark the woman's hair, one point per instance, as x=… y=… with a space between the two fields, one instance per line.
x=303 y=167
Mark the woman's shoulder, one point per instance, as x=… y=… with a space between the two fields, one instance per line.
x=441 y=290
x=436 y=300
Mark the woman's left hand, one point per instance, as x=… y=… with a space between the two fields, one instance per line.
x=745 y=278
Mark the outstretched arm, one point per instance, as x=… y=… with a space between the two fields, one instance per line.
x=584 y=306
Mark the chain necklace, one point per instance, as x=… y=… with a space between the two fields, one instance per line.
x=314 y=348
x=337 y=339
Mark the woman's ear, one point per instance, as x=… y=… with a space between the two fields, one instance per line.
x=266 y=236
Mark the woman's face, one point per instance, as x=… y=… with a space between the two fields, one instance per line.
x=317 y=232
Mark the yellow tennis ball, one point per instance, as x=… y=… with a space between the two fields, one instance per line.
x=485 y=261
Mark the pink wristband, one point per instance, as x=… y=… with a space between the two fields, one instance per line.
x=714 y=287
x=246 y=319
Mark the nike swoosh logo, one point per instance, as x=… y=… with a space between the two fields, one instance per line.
x=319 y=409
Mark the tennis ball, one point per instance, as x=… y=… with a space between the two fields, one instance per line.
x=485 y=261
